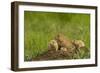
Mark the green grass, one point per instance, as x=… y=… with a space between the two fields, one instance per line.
x=41 y=27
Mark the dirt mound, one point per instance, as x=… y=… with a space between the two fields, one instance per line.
x=54 y=55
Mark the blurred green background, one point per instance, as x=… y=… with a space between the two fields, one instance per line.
x=41 y=27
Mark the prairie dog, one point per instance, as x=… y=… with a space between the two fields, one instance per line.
x=79 y=43
x=53 y=45
x=64 y=42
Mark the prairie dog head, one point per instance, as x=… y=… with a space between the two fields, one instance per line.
x=79 y=43
x=53 y=44
x=60 y=37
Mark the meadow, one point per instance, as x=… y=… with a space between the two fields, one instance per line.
x=41 y=27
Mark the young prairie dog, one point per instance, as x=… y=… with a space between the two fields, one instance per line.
x=79 y=44
x=53 y=45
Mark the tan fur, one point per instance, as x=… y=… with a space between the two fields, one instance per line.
x=64 y=49
x=64 y=42
x=53 y=45
x=79 y=43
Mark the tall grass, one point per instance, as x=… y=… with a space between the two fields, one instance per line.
x=41 y=27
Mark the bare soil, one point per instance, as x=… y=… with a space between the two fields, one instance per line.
x=54 y=55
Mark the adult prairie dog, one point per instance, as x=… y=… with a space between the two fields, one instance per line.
x=64 y=42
